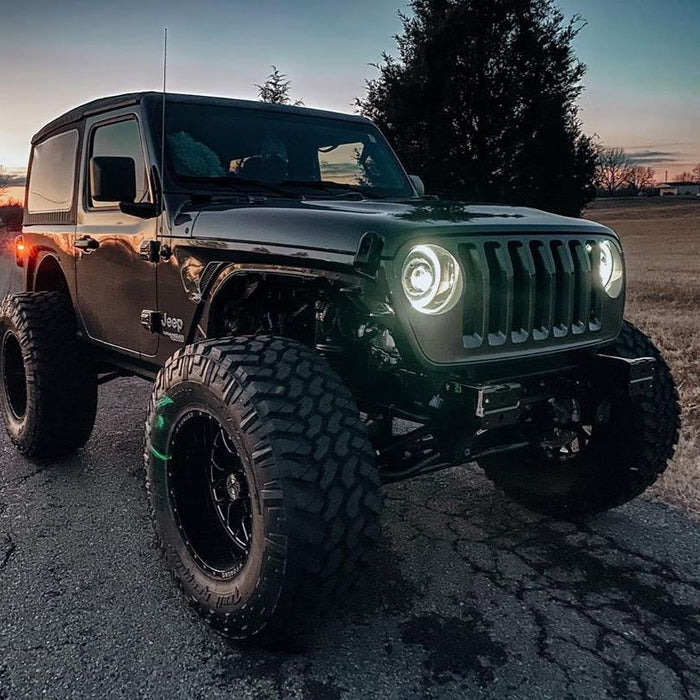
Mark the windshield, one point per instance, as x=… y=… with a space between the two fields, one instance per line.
x=280 y=152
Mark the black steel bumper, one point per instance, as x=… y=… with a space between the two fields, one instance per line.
x=499 y=405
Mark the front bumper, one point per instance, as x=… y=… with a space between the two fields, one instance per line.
x=491 y=405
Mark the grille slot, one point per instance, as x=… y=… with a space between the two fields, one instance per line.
x=525 y=291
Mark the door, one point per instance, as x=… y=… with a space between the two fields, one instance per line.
x=115 y=281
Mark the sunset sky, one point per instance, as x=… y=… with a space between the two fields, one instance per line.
x=642 y=88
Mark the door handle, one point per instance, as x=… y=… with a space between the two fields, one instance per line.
x=86 y=244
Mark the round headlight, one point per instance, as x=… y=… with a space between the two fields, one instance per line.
x=610 y=268
x=432 y=279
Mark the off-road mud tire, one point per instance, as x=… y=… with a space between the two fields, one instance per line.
x=310 y=466
x=52 y=412
x=624 y=458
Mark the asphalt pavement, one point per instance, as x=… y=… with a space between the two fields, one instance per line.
x=472 y=596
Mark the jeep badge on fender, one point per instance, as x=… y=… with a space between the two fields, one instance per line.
x=294 y=296
x=172 y=327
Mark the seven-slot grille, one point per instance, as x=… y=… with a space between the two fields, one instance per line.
x=530 y=290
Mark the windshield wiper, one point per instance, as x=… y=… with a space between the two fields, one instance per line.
x=330 y=186
x=245 y=182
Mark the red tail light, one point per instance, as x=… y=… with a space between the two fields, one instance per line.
x=20 y=250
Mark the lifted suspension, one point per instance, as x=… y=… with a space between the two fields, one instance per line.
x=418 y=452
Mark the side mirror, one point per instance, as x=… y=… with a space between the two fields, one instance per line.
x=112 y=179
x=418 y=185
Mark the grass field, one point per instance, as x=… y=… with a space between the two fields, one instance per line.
x=661 y=239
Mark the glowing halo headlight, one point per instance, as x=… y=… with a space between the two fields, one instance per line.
x=610 y=268
x=431 y=279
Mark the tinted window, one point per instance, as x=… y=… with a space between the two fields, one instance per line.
x=53 y=174
x=121 y=139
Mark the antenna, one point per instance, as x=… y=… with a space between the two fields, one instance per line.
x=162 y=128
x=165 y=74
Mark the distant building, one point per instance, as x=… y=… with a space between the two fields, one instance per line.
x=680 y=189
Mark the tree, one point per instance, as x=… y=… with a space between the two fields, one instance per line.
x=686 y=177
x=276 y=89
x=613 y=171
x=481 y=101
x=11 y=214
x=11 y=210
x=696 y=173
x=4 y=181
x=639 y=178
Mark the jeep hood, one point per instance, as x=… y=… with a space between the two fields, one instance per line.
x=337 y=226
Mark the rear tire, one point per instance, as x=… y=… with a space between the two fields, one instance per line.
x=260 y=427
x=48 y=387
x=624 y=457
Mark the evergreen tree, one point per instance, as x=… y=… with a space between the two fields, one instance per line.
x=276 y=89
x=482 y=102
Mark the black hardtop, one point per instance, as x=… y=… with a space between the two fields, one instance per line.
x=106 y=104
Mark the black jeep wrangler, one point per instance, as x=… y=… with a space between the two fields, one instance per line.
x=315 y=326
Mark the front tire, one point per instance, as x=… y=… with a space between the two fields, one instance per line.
x=48 y=387
x=261 y=480
x=623 y=458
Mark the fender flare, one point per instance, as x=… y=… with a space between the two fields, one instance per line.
x=38 y=258
x=218 y=275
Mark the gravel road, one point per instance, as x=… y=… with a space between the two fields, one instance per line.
x=473 y=596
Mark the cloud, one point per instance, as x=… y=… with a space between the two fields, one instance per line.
x=648 y=157
x=339 y=168
x=653 y=154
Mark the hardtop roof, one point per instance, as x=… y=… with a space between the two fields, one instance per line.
x=106 y=104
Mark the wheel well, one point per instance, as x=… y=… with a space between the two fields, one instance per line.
x=332 y=316
x=49 y=276
x=254 y=304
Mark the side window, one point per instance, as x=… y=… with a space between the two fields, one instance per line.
x=53 y=174
x=120 y=139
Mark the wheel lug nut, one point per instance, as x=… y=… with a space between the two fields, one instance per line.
x=233 y=487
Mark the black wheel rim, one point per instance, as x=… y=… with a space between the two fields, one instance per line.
x=14 y=375
x=210 y=494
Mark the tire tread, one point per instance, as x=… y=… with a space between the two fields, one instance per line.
x=300 y=418
x=62 y=384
